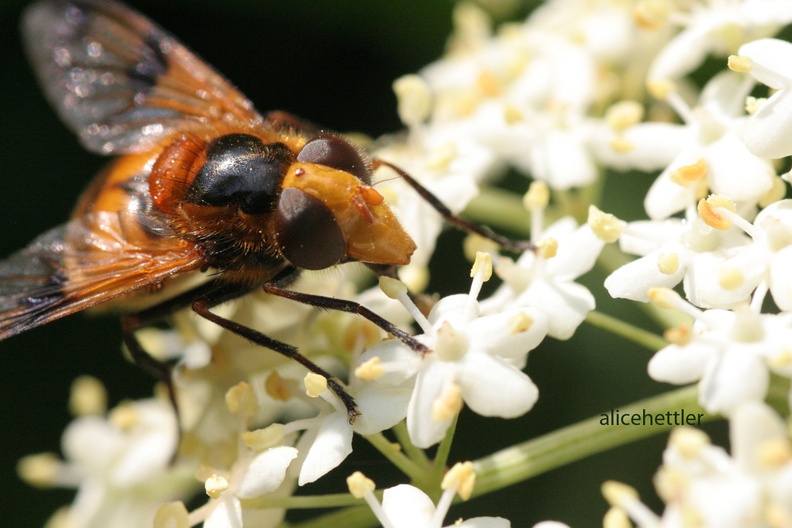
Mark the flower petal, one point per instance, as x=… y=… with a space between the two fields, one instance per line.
x=332 y=445
x=266 y=472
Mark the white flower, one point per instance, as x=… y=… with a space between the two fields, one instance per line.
x=750 y=488
x=405 y=506
x=546 y=282
x=676 y=250
x=327 y=438
x=714 y=156
x=716 y=28
x=730 y=354
x=116 y=464
x=252 y=475
x=472 y=359
x=769 y=132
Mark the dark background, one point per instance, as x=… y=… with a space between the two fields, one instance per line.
x=331 y=62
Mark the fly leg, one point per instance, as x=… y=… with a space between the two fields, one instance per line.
x=517 y=246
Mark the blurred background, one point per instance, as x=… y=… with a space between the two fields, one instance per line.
x=333 y=63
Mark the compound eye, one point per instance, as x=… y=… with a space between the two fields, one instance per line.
x=307 y=233
x=338 y=153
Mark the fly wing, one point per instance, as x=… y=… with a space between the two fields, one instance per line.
x=121 y=82
x=80 y=264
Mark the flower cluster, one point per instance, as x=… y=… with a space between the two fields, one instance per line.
x=577 y=92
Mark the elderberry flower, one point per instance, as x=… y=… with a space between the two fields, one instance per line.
x=768 y=133
x=675 y=250
x=255 y=469
x=701 y=482
x=406 y=506
x=473 y=358
x=545 y=280
x=115 y=463
x=730 y=353
x=709 y=154
x=715 y=28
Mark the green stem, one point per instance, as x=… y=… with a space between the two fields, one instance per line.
x=403 y=436
x=355 y=517
x=302 y=502
x=499 y=209
x=569 y=444
x=440 y=460
x=391 y=452
x=626 y=330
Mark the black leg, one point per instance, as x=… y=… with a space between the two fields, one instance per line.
x=202 y=306
x=132 y=322
x=344 y=305
x=518 y=246
x=201 y=299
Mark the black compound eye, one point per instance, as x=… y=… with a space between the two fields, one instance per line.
x=338 y=153
x=241 y=170
x=307 y=232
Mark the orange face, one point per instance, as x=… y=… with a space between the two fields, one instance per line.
x=203 y=180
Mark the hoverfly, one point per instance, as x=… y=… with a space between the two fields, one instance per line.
x=203 y=183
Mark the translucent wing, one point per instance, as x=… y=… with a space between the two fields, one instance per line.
x=120 y=81
x=81 y=264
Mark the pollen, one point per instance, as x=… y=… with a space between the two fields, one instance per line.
x=172 y=515
x=512 y=115
x=414 y=99
x=774 y=453
x=489 y=84
x=39 y=470
x=688 y=441
x=753 y=104
x=315 y=384
x=393 y=288
x=651 y=14
x=714 y=210
x=276 y=387
x=781 y=360
x=360 y=485
x=448 y=404
x=679 y=335
x=124 y=416
x=731 y=278
x=671 y=483
x=215 y=485
x=474 y=244
x=547 y=248
x=661 y=88
x=740 y=64
x=616 y=518
x=663 y=297
x=537 y=197
x=687 y=175
x=88 y=397
x=621 y=145
x=521 y=322
x=439 y=158
x=618 y=493
x=262 y=439
x=241 y=399
x=668 y=263
x=607 y=227
x=370 y=370
x=483 y=265
x=462 y=478
x=624 y=114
